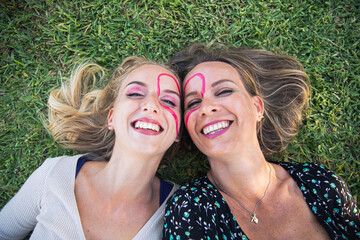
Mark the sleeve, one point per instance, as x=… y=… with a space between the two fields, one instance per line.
x=347 y=211
x=181 y=221
x=18 y=216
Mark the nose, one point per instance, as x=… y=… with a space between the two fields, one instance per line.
x=208 y=107
x=151 y=105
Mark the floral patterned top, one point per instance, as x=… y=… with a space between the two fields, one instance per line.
x=198 y=210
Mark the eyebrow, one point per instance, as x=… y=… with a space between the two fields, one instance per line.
x=191 y=93
x=137 y=82
x=144 y=85
x=172 y=92
x=221 y=81
x=212 y=85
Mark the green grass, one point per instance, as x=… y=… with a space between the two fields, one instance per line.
x=42 y=40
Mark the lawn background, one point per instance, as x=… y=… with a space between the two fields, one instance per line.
x=42 y=40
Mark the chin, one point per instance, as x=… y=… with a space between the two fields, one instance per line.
x=217 y=148
x=215 y=151
x=215 y=154
x=152 y=149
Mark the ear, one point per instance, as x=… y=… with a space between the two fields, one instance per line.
x=110 y=124
x=259 y=106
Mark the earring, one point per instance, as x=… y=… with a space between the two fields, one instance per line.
x=108 y=126
x=261 y=118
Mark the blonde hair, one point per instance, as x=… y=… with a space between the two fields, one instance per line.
x=77 y=115
x=280 y=81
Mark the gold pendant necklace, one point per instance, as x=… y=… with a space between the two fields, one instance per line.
x=253 y=219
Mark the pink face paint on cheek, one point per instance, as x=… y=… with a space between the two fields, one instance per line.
x=201 y=76
x=167 y=108
x=188 y=115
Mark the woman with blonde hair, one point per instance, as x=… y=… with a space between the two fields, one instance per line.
x=241 y=107
x=112 y=192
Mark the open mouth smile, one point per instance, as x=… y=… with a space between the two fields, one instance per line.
x=215 y=129
x=147 y=126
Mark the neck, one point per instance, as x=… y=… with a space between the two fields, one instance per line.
x=129 y=177
x=245 y=176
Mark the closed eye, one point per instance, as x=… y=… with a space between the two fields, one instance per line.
x=134 y=95
x=224 y=92
x=194 y=103
x=168 y=102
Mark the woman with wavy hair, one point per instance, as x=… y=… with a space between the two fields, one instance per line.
x=241 y=107
x=112 y=192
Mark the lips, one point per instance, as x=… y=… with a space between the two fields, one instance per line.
x=216 y=128
x=147 y=126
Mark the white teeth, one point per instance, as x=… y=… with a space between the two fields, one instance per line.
x=216 y=127
x=146 y=125
x=211 y=128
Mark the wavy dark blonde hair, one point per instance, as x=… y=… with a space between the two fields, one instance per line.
x=280 y=81
x=78 y=111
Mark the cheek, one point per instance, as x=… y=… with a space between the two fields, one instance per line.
x=191 y=125
x=187 y=116
x=175 y=116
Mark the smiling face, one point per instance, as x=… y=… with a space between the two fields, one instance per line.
x=220 y=115
x=146 y=114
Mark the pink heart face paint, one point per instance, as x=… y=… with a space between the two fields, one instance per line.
x=200 y=79
x=168 y=97
x=148 y=103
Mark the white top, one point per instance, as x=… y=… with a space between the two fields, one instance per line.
x=46 y=204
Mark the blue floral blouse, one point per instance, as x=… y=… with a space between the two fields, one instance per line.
x=198 y=210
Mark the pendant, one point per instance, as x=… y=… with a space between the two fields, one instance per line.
x=254 y=219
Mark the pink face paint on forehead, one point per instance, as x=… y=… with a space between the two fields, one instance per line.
x=203 y=82
x=201 y=76
x=167 y=108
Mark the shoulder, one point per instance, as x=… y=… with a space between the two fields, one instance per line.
x=200 y=195
x=310 y=171
x=328 y=196
x=53 y=169
x=318 y=181
x=200 y=189
x=50 y=162
x=62 y=163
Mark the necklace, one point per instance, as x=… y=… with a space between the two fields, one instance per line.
x=253 y=219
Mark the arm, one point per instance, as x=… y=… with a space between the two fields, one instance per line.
x=18 y=216
x=346 y=210
x=341 y=210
